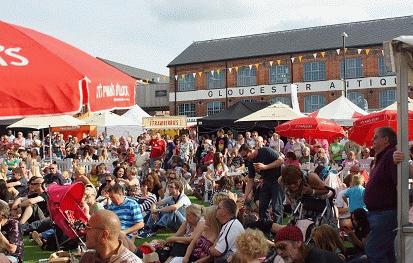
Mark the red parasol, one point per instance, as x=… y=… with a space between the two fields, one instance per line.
x=310 y=128
x=44 y=76
x=363 y=128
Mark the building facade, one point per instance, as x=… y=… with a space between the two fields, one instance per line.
x=211 y=75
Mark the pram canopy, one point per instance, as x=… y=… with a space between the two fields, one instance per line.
x=64 y=204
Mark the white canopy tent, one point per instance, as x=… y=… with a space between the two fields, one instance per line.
x=275 y=112
x=113 y=124
x=398 y=57
x=43 y=122
x=342 y=111
x=136 y=114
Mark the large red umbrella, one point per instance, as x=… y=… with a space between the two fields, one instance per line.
x=363 y=128
x=42 y=75
x=310 y=128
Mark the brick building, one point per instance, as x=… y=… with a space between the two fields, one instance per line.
x=209 y=76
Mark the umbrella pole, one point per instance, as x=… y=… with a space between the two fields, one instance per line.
x=50 y=144
x=44 y=153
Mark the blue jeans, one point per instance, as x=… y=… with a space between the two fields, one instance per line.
x=380 y=242
x=271 y=192
x=171 y=220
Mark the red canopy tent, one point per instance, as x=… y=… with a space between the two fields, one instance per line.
x=44 y=76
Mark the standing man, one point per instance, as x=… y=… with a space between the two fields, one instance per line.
x=380 y=198
x=186 y=149
x=266 y=162
x=231 y=228
x=102 y=235
x=158 y=148
x=221 y=143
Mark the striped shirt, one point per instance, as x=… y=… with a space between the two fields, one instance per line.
x=129 y=213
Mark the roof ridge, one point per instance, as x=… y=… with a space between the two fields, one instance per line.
x=301 y=29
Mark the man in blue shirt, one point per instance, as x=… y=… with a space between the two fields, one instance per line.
x=128 y=210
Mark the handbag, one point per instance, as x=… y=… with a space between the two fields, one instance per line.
x=179 y=249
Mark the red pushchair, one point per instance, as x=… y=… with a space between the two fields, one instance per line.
x=65 y=211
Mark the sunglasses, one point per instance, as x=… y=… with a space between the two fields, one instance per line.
x=35 y=183
x=108 y=181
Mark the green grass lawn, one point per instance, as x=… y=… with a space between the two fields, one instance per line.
x=32 y=252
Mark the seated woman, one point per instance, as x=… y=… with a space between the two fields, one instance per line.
x=327 y=238
x=321 y=158
x=11 y=235
x=306 y=157
x=132 y=186
x=198 y=249
x=194 y=223
x=11 y=161
x=217 y=169
x=5 y=194
x=359 y=234
x=146 y=199
x=158 y=188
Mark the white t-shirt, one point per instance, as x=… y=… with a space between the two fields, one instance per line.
x=141 y=159
x=341 y=204
x=227 y=236
x=218 y=174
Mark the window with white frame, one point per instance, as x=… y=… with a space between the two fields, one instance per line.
x=354 y=68
x=279 y=74
x=186 y=83
x=314 y=102
x=215 y=107
x=285 y=100
x=187 y=109
x=382 y=69
x=315 y=71
x=387 y=97
x=246 y=77
x=215 y=80
x=357 y=98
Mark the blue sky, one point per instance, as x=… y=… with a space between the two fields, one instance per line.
x=149 y=34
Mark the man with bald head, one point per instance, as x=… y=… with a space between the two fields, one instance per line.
x=102 y=240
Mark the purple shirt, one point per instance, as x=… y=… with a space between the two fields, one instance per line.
x=381 y=189
x=14 y=234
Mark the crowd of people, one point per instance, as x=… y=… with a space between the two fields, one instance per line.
x=138 y=186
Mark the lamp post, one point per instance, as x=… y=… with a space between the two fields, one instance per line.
x=344 y=35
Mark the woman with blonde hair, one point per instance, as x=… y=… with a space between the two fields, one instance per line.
x=158 y=188
x=35 y=168
x=89 y=199
x=326 y=237
x=251 y=245
x=198 y=249
x=194 y=223
x=104 y=156
x=131 y=182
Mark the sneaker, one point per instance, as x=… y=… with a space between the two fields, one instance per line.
x=146 y=234
x=37 y=238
